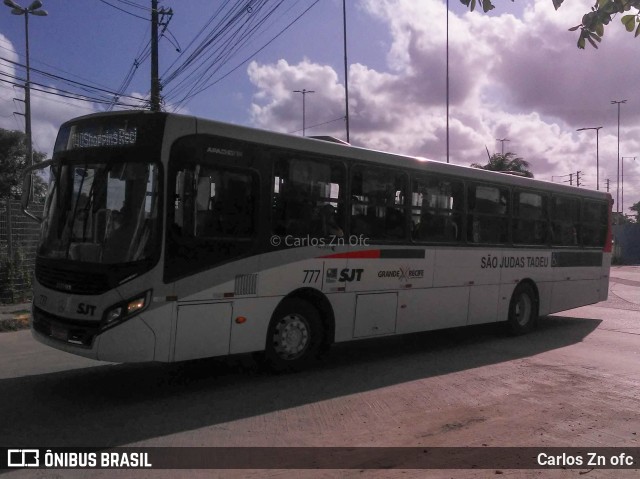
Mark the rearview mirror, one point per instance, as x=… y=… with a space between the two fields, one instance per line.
x=27 y=179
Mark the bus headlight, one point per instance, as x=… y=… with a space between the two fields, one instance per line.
x=126 y=309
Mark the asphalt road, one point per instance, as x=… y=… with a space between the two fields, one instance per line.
x=573 y=382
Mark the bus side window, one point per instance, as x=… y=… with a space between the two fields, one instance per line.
x=213 y=202
x=488 y=208
x=436 y=209
x=225 y=203
x=594 y=223
x=378 y=203
x=530 y=218
x=307 y=197
x=565 y=221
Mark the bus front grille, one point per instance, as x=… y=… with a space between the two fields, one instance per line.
x=74 y=282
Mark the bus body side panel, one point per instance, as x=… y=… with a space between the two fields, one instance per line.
x=604 y=276
x=545 y=290
x=382 y=285
x=132 y=341
x=343 y=305
x=474 y=273
x=568 y=294
x=484 y=291
x=250 y=335
x=430 y=309
x=577 y=278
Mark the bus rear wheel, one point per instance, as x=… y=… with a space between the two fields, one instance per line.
x=294 y=336
x=523 y=310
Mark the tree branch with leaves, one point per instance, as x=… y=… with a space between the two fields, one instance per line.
x=13 y=161
x=507 y=163
x=593 y=23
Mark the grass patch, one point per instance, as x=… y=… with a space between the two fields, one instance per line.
x=19 y=321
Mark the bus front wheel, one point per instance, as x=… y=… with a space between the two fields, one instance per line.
x=523 y=310
x=294 y=336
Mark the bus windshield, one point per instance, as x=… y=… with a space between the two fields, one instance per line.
x=101 y=212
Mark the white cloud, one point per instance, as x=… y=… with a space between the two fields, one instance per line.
x=518 y=78
x=277 y=107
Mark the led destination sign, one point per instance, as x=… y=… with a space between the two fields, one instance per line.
x=98 y=135
x=93 y=139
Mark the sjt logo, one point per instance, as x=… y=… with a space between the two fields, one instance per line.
x=347 y=275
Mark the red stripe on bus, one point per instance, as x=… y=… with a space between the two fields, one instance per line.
x=365 y=254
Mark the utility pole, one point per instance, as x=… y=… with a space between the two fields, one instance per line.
x=607 y=181
x=346 y=68
x=33 y=9
x=578 y=178
x=622 y=181
x=618 y=102
x=304 y=108
x=597 y=128
x=447 y=81
x=502 y=141
x=155 y=80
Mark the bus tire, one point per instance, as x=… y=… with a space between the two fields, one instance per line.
x=294 y=337
x=523 y=310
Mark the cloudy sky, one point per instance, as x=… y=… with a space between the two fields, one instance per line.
x=515 y=74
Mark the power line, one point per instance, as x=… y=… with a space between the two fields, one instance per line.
x=134 y=4
x=61 y=78
x=53 y=67
x=124 y=11
x=318 y=124
x=64 y=93
x=221 y=33
x=223 y=43
x=231 y=29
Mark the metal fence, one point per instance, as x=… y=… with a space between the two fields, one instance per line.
x=18 y=240
x=627 y=243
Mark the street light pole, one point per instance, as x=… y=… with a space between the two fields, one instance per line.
x=618 y=102
x=447 y=80
x=346 y=68
x=502 y=141
x=155 y=80
x=622 y=163
x=33 y=9
x=304 y=108
x=597 y=128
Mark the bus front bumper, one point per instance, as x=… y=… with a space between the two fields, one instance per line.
x=130 y=341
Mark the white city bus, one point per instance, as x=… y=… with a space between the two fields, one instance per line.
x=169 y=238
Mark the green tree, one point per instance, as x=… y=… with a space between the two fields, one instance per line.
x=507 y=162
x=620 y=219
x=13 y=161
x=592 y=24
x=636 y=207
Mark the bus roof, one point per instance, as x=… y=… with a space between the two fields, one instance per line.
x=344 y=151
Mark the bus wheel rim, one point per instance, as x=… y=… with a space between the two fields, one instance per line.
x=291 y=336
x=523 y=309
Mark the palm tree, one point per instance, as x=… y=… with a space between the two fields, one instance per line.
x=508 y=162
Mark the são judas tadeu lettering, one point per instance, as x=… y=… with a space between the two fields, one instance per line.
x=490 y=261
